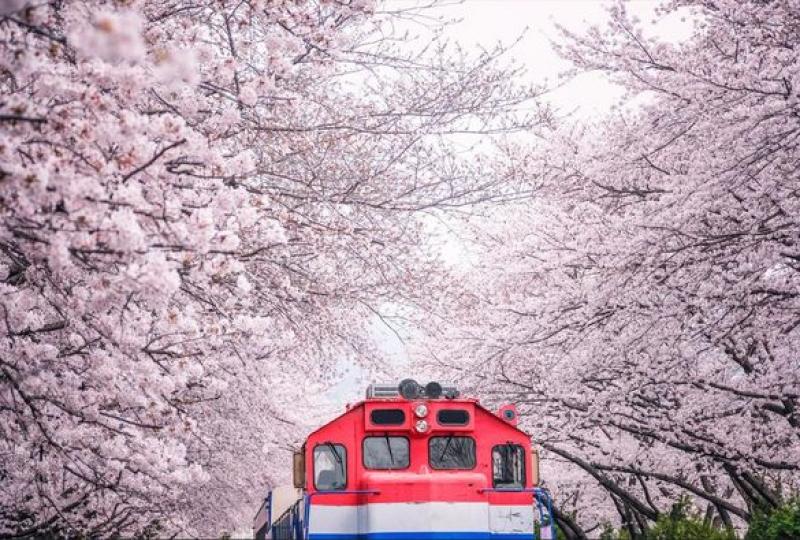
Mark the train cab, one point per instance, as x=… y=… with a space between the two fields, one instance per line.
x=416 y=463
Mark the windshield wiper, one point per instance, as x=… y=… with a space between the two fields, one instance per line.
x=446 y=447
x=508 y=466
x=336 y=455
x=389 y=447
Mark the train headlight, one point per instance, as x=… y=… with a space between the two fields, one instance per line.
x=421 y=410
x=422 y=426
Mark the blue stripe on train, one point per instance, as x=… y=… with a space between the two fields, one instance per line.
x=423 y=536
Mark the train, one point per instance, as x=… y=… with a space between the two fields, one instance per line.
x=412 y=462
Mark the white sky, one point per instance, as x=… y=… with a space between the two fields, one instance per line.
x=484 y=23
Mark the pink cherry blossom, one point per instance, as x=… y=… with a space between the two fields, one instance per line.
x=198 y=211
x=644 y=310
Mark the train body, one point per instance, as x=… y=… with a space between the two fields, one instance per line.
x=412 y=463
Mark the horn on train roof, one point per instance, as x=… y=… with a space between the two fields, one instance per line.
x=411 y=389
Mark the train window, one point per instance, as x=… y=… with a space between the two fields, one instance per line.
x=330 y=467
x=386 y=452
x=508 y=466
x=388 y=417
x=451 y=452
x=452 y=417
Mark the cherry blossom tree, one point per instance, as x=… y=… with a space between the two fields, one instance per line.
x=203 y=205
x=644 y=310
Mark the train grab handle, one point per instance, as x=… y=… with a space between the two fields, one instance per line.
x=542 y=498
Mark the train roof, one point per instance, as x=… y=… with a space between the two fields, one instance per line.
x=506 y=414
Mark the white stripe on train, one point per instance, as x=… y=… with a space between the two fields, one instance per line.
x=377 y=519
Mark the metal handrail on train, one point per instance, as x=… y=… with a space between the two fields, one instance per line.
x=292 y=523
x=308 y=496
x=539 y=493
x=267 y=507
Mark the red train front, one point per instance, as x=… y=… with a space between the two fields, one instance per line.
x=412 y=463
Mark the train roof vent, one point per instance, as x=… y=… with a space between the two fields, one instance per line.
x=410 y=389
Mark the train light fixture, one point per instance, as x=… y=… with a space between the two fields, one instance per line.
x=509 y=414
x=421 y=410
x=421 y=426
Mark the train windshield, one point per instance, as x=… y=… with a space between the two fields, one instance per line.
x=330 y=467
x=451 y=452
x=386 y=452
x=508 y=466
